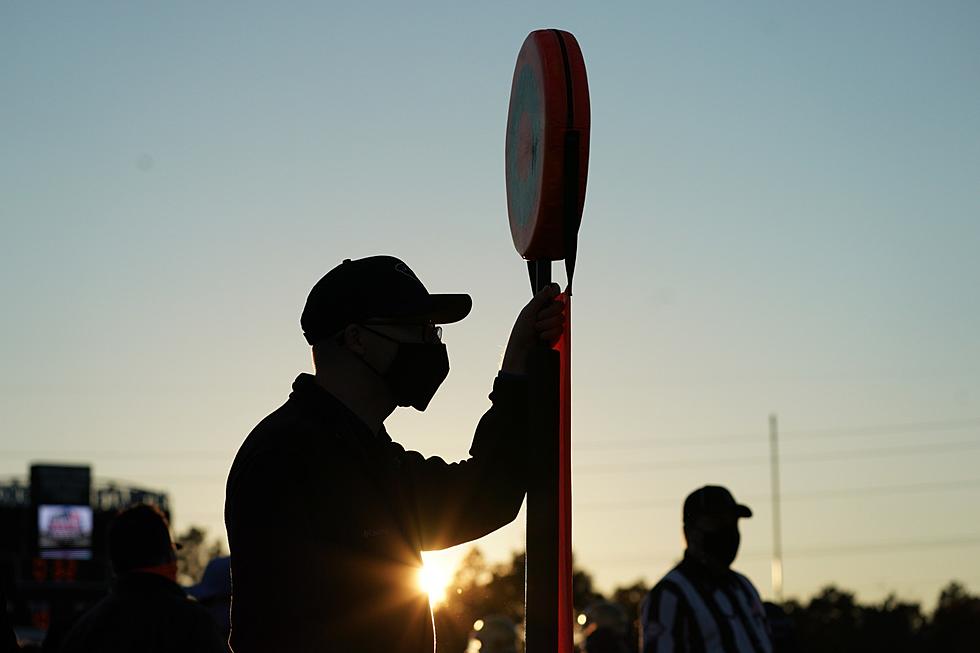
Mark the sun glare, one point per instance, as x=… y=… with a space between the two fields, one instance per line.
x=434 y=577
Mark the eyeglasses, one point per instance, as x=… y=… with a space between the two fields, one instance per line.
x=427 y=333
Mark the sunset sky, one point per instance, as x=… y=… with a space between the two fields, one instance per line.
x=783 y=216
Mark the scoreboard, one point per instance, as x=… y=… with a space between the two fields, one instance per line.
x=53 y=533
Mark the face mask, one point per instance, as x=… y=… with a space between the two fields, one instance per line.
x=416 y=372
x=722 y=546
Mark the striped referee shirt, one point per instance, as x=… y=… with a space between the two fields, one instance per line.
x=694 y=610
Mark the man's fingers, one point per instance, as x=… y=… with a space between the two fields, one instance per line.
x=555 y=322
x=551 y=336
x=555 y=308
x=544 y=296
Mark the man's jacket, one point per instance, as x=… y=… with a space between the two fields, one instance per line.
x=145 y=613
x=326 y=521
x=694 y=609
x=8 y=640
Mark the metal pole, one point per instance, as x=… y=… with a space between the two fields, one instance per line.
x=777 y=535
x=541 y=561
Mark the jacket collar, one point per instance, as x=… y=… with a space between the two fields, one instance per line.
x=694 y=567
x=137 y=582
x=315 y=397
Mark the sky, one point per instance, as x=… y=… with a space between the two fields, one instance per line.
x=781 y=218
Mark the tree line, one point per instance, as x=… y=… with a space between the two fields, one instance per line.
x=831 y=620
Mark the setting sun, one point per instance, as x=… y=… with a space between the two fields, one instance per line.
x=434 y=577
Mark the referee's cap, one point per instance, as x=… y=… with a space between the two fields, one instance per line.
x=712 y=500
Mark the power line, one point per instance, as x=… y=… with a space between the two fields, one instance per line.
x=806 y=434
x=966 y=540
x=904 y=488
x=882 y=547
x=926 y=581
x=646 y=466
x=894 y=429
x=595 y=468
x=824 y=456
x=608 y=468
x=183 y=455
x=903 y=428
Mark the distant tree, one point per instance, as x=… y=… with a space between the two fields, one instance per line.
x=832 y=620
x=955 y=625
x=583 y=592
x=630 y=597
x=892 y=625
x=828 y=623
x=195 y=553
x=477 y=590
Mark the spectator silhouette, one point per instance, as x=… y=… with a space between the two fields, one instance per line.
x=8 y=640
x=494 y=634
x=702 y=604
x=782 y=630
x=605 y=629
x=326 y=515
x=146 y=611
x=214 y=592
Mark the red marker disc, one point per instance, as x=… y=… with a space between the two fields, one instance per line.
x=547 y=153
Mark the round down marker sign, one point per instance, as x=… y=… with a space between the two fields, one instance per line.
x=547 y=146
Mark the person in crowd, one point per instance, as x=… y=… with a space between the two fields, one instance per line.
x=782 y=629
x=214 y=592
x=606 y=629
x=493 y=634
x=146 y=610
x=702 y=604
x=8 y=640
x=327 y=515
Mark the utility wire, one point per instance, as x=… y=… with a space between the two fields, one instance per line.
x=183 y=455
x=905 y=488
x=966 y=540
x=903 y=428
x=607 y=506
x=823 y=456
x=741 y=461
x=635 y=467
x=737 y=438
x=582 y=469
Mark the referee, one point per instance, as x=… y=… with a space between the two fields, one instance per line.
x=702 y=604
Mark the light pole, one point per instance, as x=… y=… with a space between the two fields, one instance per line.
x=777 y=535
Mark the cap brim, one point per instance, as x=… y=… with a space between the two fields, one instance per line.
x=437 y=309
x=742 y=511
x=447 y=309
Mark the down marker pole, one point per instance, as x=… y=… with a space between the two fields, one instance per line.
x=547 y=156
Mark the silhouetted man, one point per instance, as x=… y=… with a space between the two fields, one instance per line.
x=493 y=634
x=8 y=640
x=605 y=629
x=146 y=611
x=326 y=515
x=214 y=592
x=702 y=604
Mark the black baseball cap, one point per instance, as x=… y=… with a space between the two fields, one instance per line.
x=375 y=288
x=712 y=500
